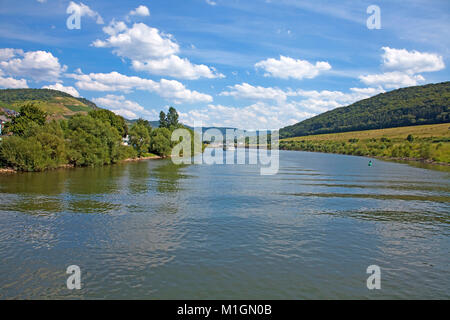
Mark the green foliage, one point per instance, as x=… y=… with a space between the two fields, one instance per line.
x=162 y=120
x=423 y=149
x=110 y=117
x=23 y=154
x=92 y=141
x=126 y=152
x=140 y=137
x=426 y=104
x=410 y=138
x=83 y=140
x=145 y=123
x=170 y=120
x=160 y=142
x=44 y=148
x=30 y=115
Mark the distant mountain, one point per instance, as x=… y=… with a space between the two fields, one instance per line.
x=417 y=105
x=154 y=124
x=56 y=103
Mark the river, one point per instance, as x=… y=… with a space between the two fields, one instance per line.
x=154 y=230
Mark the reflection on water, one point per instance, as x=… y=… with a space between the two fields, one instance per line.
x=152 y=229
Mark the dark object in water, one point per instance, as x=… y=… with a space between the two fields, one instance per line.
x=370 y=163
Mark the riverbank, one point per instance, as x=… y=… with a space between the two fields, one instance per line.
x=70 y=166
x=358 y=153
x=424 y=161
x=427 y=144
x=142 y=158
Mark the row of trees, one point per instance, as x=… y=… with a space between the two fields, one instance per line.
x=410 y=148
x=94 y=139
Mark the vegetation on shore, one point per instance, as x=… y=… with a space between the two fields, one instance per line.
x=428 y=104
x=36 y=143
x=429 y=143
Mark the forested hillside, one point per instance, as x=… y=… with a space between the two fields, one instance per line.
x=428 y=104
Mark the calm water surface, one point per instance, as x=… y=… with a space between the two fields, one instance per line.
x=152 y=230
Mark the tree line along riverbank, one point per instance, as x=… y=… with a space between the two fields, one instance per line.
x=427 y=143
x=32 y=142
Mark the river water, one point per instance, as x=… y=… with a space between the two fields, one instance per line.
x=153 y=230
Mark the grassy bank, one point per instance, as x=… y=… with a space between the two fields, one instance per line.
x=430 y=143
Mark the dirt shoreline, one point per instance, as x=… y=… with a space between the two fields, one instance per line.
x=71 y=166
x=141 y=159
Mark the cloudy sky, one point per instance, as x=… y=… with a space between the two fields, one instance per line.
x=252 y=64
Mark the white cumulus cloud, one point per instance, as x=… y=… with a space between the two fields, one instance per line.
x=8 y=53
x=257 y=116
x=152 y=51
x=287 y=67
x=176 y=67
x=37 y=65
x=411 y=61
x=283 y=112
x=140 y=11
x=392 y=80
x=247 y=91
x=139 y=42
x=403 y=68
x=125 y=108
x=11 y=83
x=58 y=86
x=318 y=101
x=171 y=90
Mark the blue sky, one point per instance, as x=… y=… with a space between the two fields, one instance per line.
x=259 y=64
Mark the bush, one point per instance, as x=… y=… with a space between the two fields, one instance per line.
x=140 y=138
x=160 y=142
x=24 y=154
x=410 y=138
x=92 y=142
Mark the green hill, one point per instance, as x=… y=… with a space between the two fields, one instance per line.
x=153 y=124
x=428 y=104
x=56 y=103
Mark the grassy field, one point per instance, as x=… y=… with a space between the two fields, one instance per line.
x=425 y=131
x=430 y=143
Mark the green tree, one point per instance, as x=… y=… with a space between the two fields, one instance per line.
x=92 y=142
x=172 y=118
x=145 y=123
x=30 y=115
x=160 y=142
x=114 y=120
x=163 y=120
x=140 y=138
x=24 y=154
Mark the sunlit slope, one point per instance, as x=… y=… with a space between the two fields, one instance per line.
x=430 y=143
x=425 y=131
x=56 y=103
